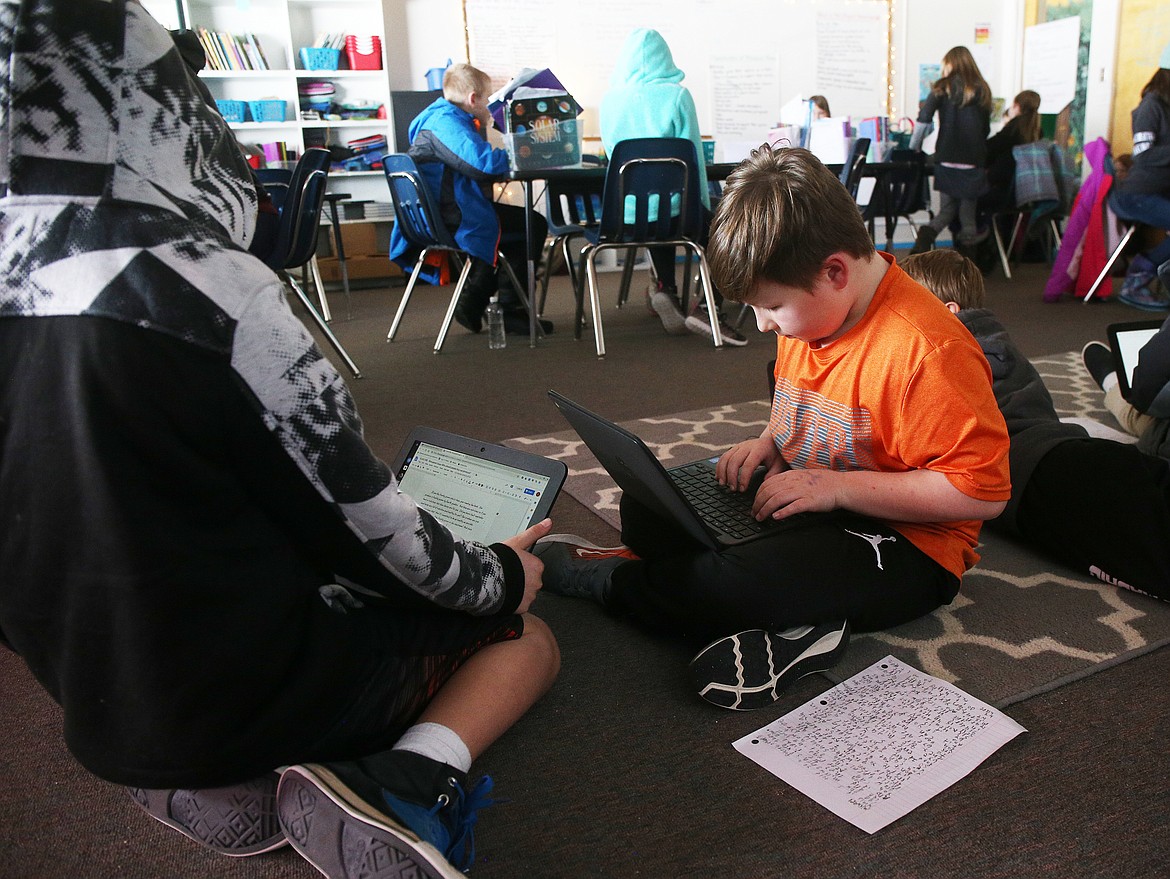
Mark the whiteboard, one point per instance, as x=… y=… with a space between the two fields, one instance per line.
x=743 y=59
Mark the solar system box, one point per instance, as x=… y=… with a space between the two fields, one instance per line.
x=543 y=132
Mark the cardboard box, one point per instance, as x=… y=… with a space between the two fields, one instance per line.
x=366 y=247
x=359 y=268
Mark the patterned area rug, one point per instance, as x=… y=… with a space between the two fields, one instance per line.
x=1019 y=627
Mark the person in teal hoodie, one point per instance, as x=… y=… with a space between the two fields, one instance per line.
x=448 y=142
x=646 y=99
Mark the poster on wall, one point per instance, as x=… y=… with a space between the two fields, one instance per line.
x=1050 y=62
x=982 y=50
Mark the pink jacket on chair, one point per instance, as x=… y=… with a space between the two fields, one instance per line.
x=1083 y=249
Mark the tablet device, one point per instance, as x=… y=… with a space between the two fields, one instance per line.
x=480 y=491
x=1126 y=340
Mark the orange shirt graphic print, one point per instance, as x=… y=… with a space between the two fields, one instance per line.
x=813 y=432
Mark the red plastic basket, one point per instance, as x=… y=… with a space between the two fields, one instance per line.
x=363 y=53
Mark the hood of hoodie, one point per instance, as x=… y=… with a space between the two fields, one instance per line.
x=99 y=107
x=122 y=193
x=645 y=59
x=1095 y=153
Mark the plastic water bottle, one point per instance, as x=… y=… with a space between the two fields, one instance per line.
x=497 y=338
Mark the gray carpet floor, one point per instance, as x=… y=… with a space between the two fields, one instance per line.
x=619 y=771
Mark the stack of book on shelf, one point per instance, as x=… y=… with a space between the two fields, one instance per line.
x=226 y=51
x=316 y=98
x=368 y=152
x=379 y=210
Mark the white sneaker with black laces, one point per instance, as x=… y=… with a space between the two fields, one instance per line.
x=751 y=669
x=699 y=323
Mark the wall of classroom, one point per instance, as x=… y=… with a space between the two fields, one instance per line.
x=1144 y=30
x=424 y=33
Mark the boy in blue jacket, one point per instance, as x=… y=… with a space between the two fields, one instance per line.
x=448 y=142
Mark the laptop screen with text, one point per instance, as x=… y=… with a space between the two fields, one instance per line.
x=481 y=500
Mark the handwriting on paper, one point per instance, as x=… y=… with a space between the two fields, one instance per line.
x=881 y=743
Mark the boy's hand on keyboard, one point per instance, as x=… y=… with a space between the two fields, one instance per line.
x=738 y=464
x=796 y=491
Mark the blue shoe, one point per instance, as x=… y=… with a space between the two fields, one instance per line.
x=414 y=819
x=751 y=669
x=1145 y=298
x=1141 y=288
x=577 y=568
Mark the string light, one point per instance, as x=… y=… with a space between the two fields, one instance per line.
x=891 y=55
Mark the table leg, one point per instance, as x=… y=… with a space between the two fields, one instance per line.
x=340 y=256
x=527 y=185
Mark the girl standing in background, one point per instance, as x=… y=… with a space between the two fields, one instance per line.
x=962 y=99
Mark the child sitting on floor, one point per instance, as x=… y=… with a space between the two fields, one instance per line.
x=883 y=430
x=1099 y=506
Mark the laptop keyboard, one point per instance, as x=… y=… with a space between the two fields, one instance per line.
x=725 y=510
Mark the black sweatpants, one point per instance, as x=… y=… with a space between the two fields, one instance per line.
x=830 y=566
x=484 y=278
x=1102 y=508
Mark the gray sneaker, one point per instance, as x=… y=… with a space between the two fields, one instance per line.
x=669 y=310
x=700 y=324
x=577 y=568
x=238 y=820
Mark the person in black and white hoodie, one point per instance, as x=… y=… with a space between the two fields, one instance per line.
x=203 y=562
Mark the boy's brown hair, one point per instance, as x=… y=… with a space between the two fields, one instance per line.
x=948 y=275
x=461 y=80
x=782 y=214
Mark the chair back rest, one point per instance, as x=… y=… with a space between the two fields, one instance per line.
x=275 y=182
x=651 y=191
x=851 y=171
x=415 y=213
x=1044 y=174
x=1034 y=179
x=907 y=182
x=300 y=210
x=573 y=205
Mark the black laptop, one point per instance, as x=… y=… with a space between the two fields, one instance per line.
x=688 y=495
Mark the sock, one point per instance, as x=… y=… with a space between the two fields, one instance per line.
x=437 y=742
x=1109 y=381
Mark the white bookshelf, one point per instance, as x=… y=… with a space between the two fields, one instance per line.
x=282 y=28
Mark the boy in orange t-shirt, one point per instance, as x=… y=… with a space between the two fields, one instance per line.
x=884 y=431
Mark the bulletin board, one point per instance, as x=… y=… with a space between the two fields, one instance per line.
x=743 y=59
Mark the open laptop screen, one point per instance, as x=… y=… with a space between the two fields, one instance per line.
x=477 y=498
x=1127 y=340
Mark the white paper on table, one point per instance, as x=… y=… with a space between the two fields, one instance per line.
x=881 y=743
